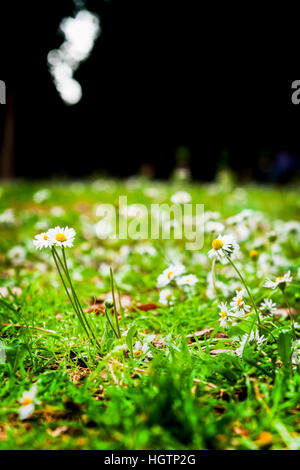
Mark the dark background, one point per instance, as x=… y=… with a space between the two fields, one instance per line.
x=160 y=76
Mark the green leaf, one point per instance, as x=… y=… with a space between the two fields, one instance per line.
x=129 y=337
x=285 y=347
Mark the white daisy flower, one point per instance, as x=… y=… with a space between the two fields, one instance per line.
x=238 y=304
x=17 y=255
x=280 y=281
x=224 y=315
x=181 y=197
x=169 y=274
x=216 y=227
x=57 y=211
x=7 y=217
x=42 y=240
x=146 y=250
x=165 y=296
x=268 y=306
x=188 y=280
x=103 y=229
x=41 y=195
x=142 y=349
x=254 y=338
x=241 y=232
x=27 y=401
x=224 y=247
x=296 y=352
x=62 y=236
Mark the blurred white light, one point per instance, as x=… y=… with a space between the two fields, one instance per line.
x=80 y=35
x=70 y=90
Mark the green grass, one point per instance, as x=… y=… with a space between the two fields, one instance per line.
x=186 y=396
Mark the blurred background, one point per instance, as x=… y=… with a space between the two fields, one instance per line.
x=101 y=87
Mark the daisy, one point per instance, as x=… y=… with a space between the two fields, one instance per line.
x=254 y=338
x=268 y=306
x=188 y=280
x=238 y=304
x=139 y=348
x=27 y=401
x=224 y=315
x=169 y=274
x=224 y=247
x=17 y=255
x=62 y=236
x=296 y=352
x=181 y=197
x=216 y=227
x=165 y=296
x=42 y=241
x=280 y=281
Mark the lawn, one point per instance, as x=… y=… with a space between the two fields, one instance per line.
x=185 y=359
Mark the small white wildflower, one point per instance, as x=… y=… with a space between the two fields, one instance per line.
x=103 y=229
x=296 y=352
x=254 y=338
x=223 y=247
x=42 y=240
x=187 y=280
x=165 y=296
x=17 y=255
x=224 y=315
x=280 y=281
x=62 y=236
x=27 y=401
x=181 y=197
x=268 y=306
x=238 y=304
x=216 y=227
x=57 y=211
x=142 y=349
x=146 y=250
x=169 y=274
x=41 y=196
x=7 y=217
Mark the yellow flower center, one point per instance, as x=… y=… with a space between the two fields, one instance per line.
x=223 y=314
x=170 y=274
x=26 y=401
x=137 y=352
x=45 y=237
x=60 y=237
x=240 y=302
x=280 y=278
x=217 y=244
x=253 y=253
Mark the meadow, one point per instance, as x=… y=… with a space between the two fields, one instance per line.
x=195 y=350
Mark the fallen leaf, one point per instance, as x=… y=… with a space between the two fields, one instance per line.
x=215 y=352
x=144 y=307
x=206 y=332
x=56 y=432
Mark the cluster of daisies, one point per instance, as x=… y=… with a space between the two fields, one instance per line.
x=58 y=236
x=237 y=309
x=173 y=275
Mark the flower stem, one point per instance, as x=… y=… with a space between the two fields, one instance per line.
x=114 y=301
x=246 y=287
x=110 y=322
x=290 y=313
x=213 y=274
x=76 y=298
x=54 y=254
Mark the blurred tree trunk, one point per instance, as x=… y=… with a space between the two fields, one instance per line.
x=7 y=150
